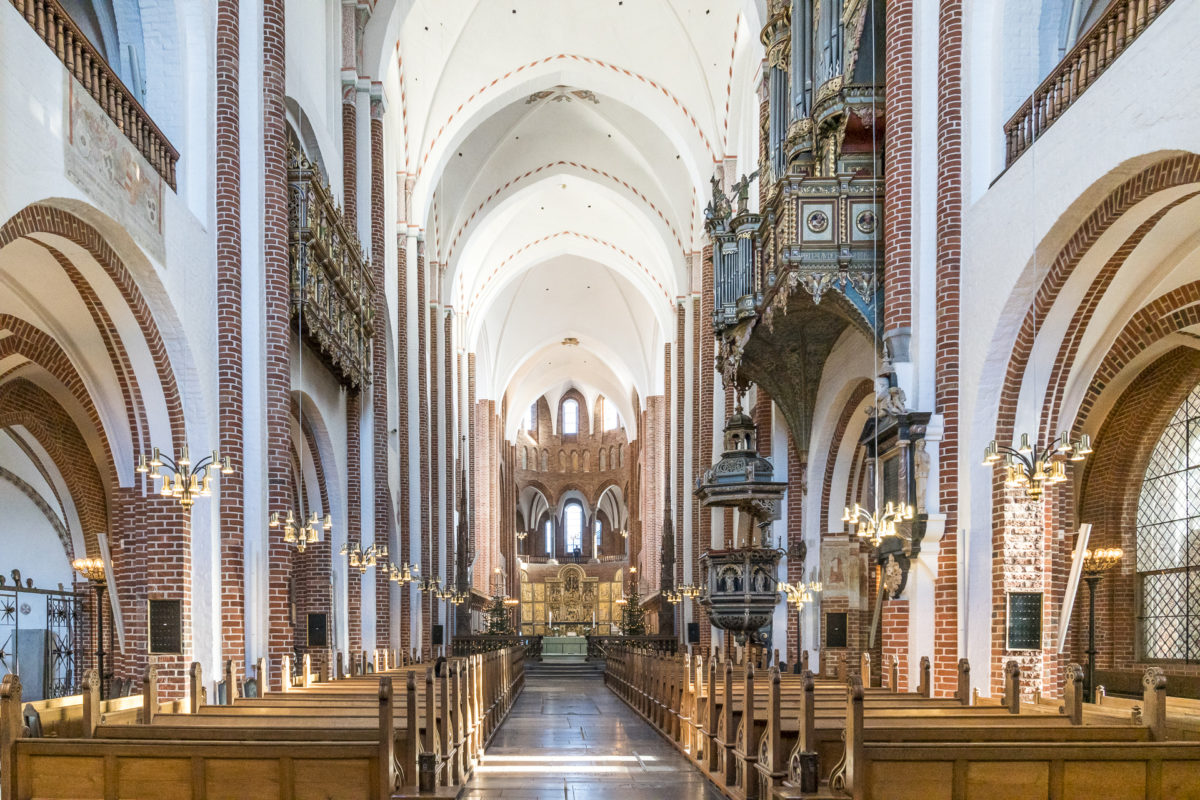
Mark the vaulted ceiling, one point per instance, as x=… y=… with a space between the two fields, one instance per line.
x=559 y=157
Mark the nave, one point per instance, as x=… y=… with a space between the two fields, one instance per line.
x=569 y=738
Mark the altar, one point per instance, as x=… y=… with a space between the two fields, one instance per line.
x=564 y=649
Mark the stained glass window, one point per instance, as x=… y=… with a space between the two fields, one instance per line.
x=1168 y=540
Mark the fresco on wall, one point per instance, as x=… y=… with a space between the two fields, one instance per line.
x=110 y=170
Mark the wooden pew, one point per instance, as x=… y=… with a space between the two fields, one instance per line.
x=96 y=768
x=459 y=712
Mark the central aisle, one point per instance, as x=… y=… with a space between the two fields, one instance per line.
x=569 y=738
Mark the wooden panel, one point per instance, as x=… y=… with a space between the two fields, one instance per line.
x=1104 y=780
x=1012 y=780
x=239 y=778
x=154 y=778
x=321 y=779
x=1181 y=779
x=910 y=780
x=61 y=777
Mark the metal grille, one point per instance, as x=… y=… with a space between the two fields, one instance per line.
x=1168 y=540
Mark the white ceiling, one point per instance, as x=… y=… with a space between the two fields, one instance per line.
x=560 y=153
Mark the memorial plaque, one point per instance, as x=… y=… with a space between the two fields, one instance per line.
x=835 y=629
x=1024 y=621
x=318 y=630
x=166 y=626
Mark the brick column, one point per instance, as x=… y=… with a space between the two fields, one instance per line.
x=796 y=468
x=379 y=384
x=449 y=441
x=350 y=150
x=423 y=433
x=898 y=195
x=404 y=432
x=701 y=523
x=949 y=236
x=276 y=332
x=681 y=495
x=894 y=640
x=706 y=380
x=230 y=436
x=353 y=515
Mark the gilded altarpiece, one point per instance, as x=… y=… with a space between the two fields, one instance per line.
x=570 y=601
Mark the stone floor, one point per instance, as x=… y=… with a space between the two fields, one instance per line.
x=570 y=738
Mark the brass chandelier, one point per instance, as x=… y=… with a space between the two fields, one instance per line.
x=304 y=535
x=875 y=526
x=404 y=574
x=180 y=478
x=362 y=560
x=1035 y=467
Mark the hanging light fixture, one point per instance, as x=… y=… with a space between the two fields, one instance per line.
x=180 y=478
x=403 y=574
x=362 y=560
x=304 y=535
x=875 y=526
x=800 y=593
x=1034 y=466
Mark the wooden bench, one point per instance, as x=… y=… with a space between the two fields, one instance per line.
x=105 y=769
x=452 y=720
x=750 y=739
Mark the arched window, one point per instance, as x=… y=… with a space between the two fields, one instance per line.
x=531 y=422
x=573 y=526
x=570 y=417
x=612 y=420
x=598 y=532
x=549 y=531
x=1165 y=519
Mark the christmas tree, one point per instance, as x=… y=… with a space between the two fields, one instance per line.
x=633 y=618
x=497 y=617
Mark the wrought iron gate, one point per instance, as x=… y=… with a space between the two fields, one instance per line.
x=63 y=633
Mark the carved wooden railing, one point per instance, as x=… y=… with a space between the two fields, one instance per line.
x=331 y=285
x=599 y=645
x=1093 y=53
x=470 y=645
x=84 y=62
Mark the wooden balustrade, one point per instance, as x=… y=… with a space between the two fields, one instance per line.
x=1092 y=54
x=55 y=27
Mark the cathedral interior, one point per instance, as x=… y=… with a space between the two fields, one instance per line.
x=760 y=399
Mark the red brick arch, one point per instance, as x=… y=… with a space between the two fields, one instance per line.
x=46 y=219
x=1165 y=174
x=40 y=348
x=24 y=404
x=1170 y=172
x=1109 y=494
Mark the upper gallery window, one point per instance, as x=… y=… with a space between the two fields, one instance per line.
x=531 y=420
x=612 y=420
x=570 y=417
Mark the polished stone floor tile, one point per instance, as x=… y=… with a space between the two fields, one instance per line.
x=570 y=738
